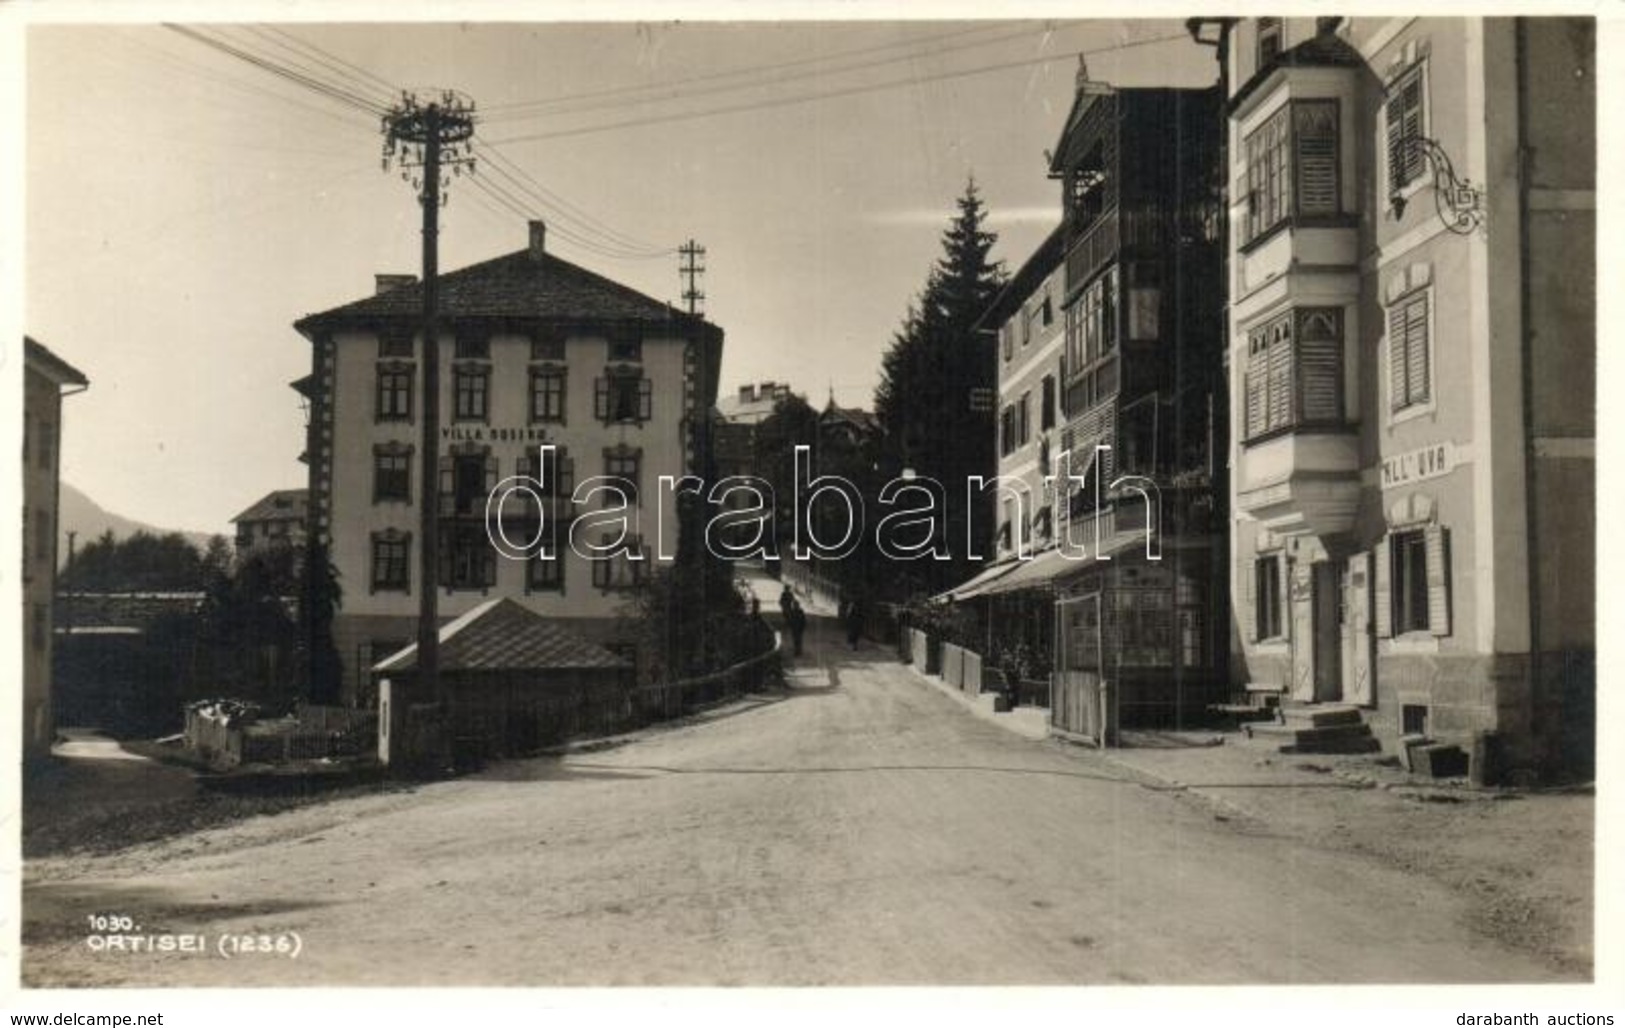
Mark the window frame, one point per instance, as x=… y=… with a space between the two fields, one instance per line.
x=604 y=575
x=1269 y=617
x=1408 y=582
x=406 y=395
x=1272 y=156
x=1270 y=30
x=1393 y=91
x=1427 y=404
x=1263 y=339
x=468 y=372
x=614 y=382
x=538 y=374
x=392 y=451
x=381 y=563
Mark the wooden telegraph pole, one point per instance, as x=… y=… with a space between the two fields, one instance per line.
x=430 y=136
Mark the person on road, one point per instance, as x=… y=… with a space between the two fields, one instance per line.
x=786 y=599
x=797 y=620
x=854 y=623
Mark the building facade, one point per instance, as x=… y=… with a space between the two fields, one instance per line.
x=47 y=378
x=1411 y=354
x=535 y=351
x=278 y=518
x=1110 y=415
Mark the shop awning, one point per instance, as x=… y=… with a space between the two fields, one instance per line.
x=978 y=584
x=1050 y=567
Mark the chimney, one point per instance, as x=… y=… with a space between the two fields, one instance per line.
x=384 y=283
x=747 y=394
x=538 y=239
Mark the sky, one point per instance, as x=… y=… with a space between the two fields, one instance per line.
x=184 y=207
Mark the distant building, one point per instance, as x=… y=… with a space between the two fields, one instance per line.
x=277 y=519
x=46 y=379
x=736 y=418
x=1412 y=361
x=534 y=350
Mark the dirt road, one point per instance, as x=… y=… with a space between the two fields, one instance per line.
x=860 y=829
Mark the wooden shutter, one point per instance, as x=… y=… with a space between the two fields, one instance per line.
x=1382 y=590
x=1437 y=540
x=491 y=469
x=645 y=399
x=600 y=398
x=1416 y=350
x=1396 y=357
x=1279 y=360
x=1248 y=614
x=1320 y=365
x=1315 y=150
x=1403 y=115
x=1283 y=594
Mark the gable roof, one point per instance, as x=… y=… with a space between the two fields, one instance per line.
x=517 y=285
x=503 y=635
x=1322 y=50
x=279 y=504
x=51 y=365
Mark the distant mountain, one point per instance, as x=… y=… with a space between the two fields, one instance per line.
x=79 y=513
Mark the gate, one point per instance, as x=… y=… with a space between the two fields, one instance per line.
x=1082 y=704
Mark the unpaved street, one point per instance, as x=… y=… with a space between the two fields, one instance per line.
x=860 y=829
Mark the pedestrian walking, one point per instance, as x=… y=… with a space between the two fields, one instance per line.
x=786 y=599
x=797 y=620
x=854 y=623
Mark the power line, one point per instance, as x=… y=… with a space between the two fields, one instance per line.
x=323 y=69
x=334 y=59
x=332 y=92
x=768 y=72
x=509 y=169
x=827 y=95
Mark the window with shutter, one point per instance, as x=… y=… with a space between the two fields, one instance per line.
x=1410 y=581
x=1267 y=594
x=1405 y=125
x=1320 y=364
x=1436 y=541
x=1314 y=125
x=1409 y=360
x=1382 y=588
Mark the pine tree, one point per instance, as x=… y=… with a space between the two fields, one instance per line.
x=935 y=361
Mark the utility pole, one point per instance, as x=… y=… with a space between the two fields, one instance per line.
x=691 y=271
x=430 y=136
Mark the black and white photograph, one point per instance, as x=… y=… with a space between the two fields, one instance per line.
x=609 y=500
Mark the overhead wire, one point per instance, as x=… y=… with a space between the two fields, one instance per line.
x=333 y=92
x=758 y=75
x=912 y=80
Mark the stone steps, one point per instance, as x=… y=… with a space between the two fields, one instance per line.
x=1316 y=729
